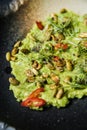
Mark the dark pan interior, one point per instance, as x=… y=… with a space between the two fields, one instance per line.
x=73 y=117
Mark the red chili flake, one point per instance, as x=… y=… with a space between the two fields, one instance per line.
x=39 y=25
x=35 y=102
x=56 y=58
x=64 y=46
x=57 y=46
x=36 y=92
x=61 y=46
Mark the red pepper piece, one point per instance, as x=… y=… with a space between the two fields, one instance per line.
x=61 y=46
x=56 y=58
x=38 y=102
x=36 y=92
x=39 y=24
x=57 y=46
x=26 y=102
x=31 y=97
x=35 y=102
x=64 y=46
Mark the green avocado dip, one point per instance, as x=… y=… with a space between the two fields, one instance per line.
x=49 y=66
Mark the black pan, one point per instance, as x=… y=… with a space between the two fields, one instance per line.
x=13 y=28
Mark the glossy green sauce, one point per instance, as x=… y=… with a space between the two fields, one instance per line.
x=61 y=29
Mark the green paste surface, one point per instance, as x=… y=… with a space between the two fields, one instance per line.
x=41 y=46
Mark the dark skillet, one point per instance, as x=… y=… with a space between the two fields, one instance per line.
x=73 y=117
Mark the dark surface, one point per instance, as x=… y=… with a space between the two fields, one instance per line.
x=73 y=117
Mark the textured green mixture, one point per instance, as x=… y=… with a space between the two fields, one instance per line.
x=50 y=64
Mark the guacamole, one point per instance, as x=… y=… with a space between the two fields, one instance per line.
x=49 y=66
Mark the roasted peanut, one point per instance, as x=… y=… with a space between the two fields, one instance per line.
x=45 y=75
x=14 y=51
x=34 y=71
x=60 y=63
x=83 y=35
x=53 y=86
x=61 y=37
x=52 y=37
x=13 y=58
x=63 y=10
x=36 y=65
x=67 y=79
x=69 y=65
x=60 y=93
x=25 y=51
x=31 y=37
x=60 y=69
x=55 y=78
x=18 y=44
x=8 y=56
x=30 y=79
x=39 y=67
x=54 y=17
x=13 y=81
x=29 y=73
x=39 y=84
x=50 y=66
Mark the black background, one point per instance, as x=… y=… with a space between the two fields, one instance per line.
x=73 y=117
